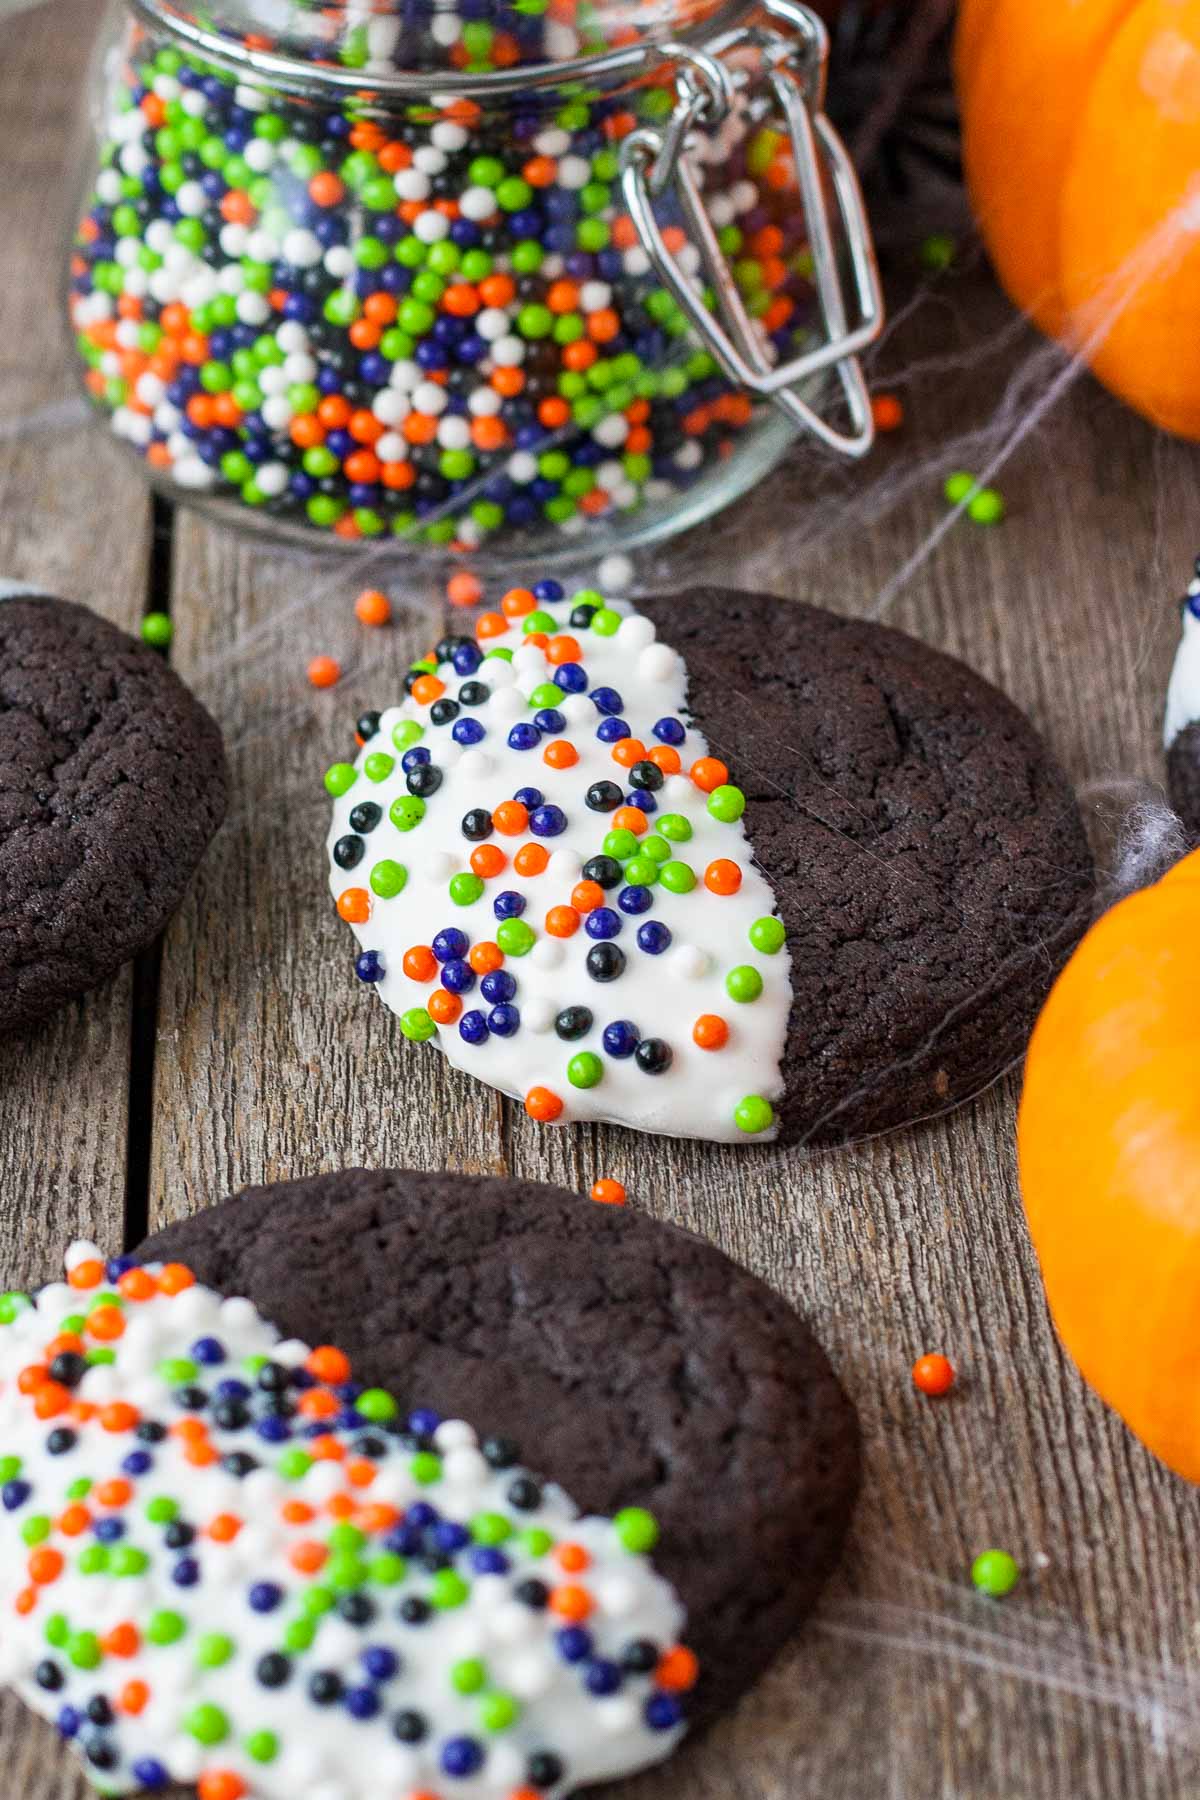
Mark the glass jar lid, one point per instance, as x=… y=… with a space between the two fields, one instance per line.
x=475 y=41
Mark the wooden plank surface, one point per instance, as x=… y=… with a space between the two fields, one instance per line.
x=272 y=1062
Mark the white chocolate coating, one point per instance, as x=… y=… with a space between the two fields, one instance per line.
x=1183 y=693
x=662 y=995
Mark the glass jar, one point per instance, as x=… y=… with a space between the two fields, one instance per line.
x=502 y=280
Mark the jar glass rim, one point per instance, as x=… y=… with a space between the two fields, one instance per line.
x=290 y=75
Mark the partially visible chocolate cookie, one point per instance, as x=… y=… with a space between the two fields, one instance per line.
x=632 y=1363
x=1181 y=733
x=928 y=858
x=112 y=782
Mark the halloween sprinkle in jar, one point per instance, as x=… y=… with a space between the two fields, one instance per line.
x=499 y=278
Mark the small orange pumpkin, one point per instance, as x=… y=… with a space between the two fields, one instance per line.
x=1081 y=146
x=1109 y=1146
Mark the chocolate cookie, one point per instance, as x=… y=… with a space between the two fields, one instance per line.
x=725 y=866
x=112 y=782
x=1181 y=732
x=631 y=1362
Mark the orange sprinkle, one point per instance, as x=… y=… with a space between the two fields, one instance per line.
x=61 y=1346
x=324 y=671
x=572 y=1558
x=327 y=1448
x=107 y=1323
x=221 y=1784
x=296 y=1512
x=426 y=689
x=488 y=861
x=443 y=1006
x=361 y=1471
x=517 y=603
x=189 y=1430
x=666 y=758
x=562 y=921
x=354 y=905
x=175 y=1278
x=490 y=625
x=201 y=1455
x=709 y=772
x=628 y=751
x=74 y=1521
x=563 y=649
x=420 y=964
x=119 y=1416
x=340 y=1507
x=608 y=1192
x=372 y=607
x=123 y=1640
x=570 y=1601
x=51 y=1400
x=554 y=412
x=32 y=1378
x=308 y=1557
x=933 y=1374
x=25 y=1601
x=485 y=956
x=586 y=896
x=560 y=754
x=722 y=876
x=497 y=290
x=677 y=1669
x=133 y=1698
x=543 y=1105
x=511 y=818
x=45 y=1566
x=887 y=412
x=136 y=1285
x=710 y=1032
x=630 y=818
x=377 y=1518
x=86 y=1275
x=531 y=859
x=328 y=1365
x=464 y=589
x=318 y=1403
x=224 y=1528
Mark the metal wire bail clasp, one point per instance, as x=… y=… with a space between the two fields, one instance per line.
x=709 y=85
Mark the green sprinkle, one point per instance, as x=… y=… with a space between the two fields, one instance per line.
x=466 y=888
x=536 y=1541
x=498 y=1711
x=987 y=507
x=79 y=1490
x=726 y=803
x=515 y=937
x=11 y=1305
x=214 y=1650
x=417 y=1025
x=753 y=1114
x=340 y=778
x=162 y=1511
x=318 y=1601
x=655 y=847
x=996 y=1573
x=448 y=1589
x=299 y=1636
x=606 y=622
x=388 y=878
x=57 y=1630
x=491 y=1528
x=378 y=765
x=620 y=844
x=547 y=693
x=407 y=733
x=83 y=1650
x=585 y=1070
x=207 y=1724
x=426 y=1468
x=36 y=1530
x=387 y=1569
x=468 y=1676
x=641 y=871
x=938 y=252
x=406 y=812
x=744 y=983
x=346 y=1537
x=637 y=1529
x=10 y=1468
x=128 y=1560
x=376 y=1405
x=294 y=1464
x=677 y=877
x=177 y=1371
x=165 y=1628
x=93 y=1560
x=261 y=1746
x=538 y=621
x=157 y=629
x=345 y=1571
x=958 y=486
x=767 y=935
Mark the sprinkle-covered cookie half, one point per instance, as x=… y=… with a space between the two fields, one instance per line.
x=715 y=865
x=237 y=1558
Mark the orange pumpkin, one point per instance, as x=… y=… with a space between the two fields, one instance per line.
x=1109 y=1148
x=1081 y=145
